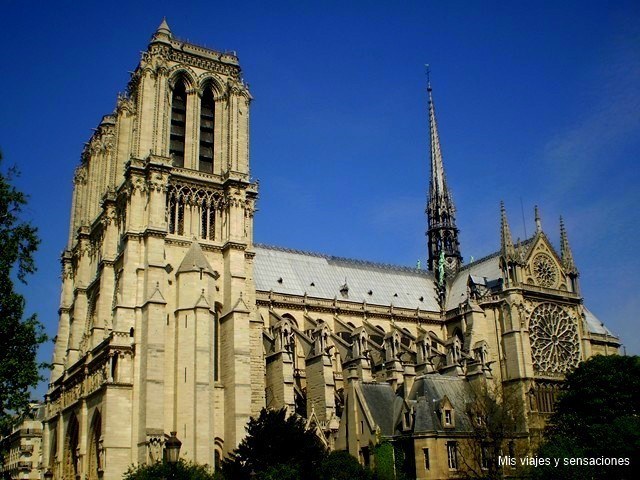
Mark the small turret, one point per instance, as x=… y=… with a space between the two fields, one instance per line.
x=163 y=32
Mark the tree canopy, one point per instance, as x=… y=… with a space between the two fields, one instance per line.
x=20 y=337
x=341 y=465
x=182 y=470
x=494 y=412
x=597 y=417
x=276 y=445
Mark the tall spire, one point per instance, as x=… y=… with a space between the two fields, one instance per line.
x=565 y=251
x=506 y=243
x=442 y=232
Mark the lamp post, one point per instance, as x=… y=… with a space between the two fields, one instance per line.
x=172 y=449
x=48 y=475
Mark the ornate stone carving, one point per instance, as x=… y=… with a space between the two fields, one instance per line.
x=553 y=333
x=80 y=176
x=155 y=446
x=545 y=270
x=158 y=182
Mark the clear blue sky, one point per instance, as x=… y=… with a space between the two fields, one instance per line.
x=537 y=103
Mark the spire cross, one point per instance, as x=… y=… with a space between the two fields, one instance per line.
x=428 y=71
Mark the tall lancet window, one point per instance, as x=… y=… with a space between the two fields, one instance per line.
x=178 y=119
x=207 y=122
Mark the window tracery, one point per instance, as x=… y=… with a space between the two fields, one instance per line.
x=545 y=270
x=554 y=339
x=192 y=211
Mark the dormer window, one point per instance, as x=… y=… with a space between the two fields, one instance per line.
x=448 y=418
x=446 y=410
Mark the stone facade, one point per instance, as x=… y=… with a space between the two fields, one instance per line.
x=22 y=448
x=157 y=317
x=171 y=319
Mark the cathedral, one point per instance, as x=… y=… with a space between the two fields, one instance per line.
x=174 y=323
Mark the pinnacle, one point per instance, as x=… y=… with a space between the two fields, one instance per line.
x=194 y=260
x=565 y=250
x=164 y=27
x=538 y=220
x=505 y=233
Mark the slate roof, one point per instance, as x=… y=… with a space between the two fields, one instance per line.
x=295 y=272
x=487 y=267
x=594 y=325
x=428 y=391
x=385 y=406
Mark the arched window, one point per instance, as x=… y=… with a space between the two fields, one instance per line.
x=95 y=448
x=207 y=221
x=207 y=122
x=70 y=467
x=178 y=121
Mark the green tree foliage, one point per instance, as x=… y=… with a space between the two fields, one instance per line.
x=280 y=472
x=340 y=465
x=597 y=416
x=385 y=461
x=182 y=470
x=20 y=338
x=275 y=440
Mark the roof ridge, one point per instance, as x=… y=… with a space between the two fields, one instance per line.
x=355 y=261
x=495 y=254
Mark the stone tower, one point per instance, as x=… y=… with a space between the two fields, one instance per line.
x=442 y=233
x=158 y=326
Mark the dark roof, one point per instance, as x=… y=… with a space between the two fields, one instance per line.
x=428 y=391
x=382 y=403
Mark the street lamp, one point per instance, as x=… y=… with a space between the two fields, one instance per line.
x=48 y=475
x=172 y=449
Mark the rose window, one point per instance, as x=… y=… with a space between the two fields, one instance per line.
x=545 y=270
x=554 y=339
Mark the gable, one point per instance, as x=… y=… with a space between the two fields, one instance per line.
x=543 y=267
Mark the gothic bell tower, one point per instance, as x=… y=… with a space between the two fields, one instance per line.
x=157 y=318
x=442 y=233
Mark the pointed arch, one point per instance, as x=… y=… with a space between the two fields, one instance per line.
x=207 y=129
x=53 y=448
x=95 y=447
x=184 y=73
x=291 y=318
x=177 y=134
x=206 y=80
x=70 y=461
